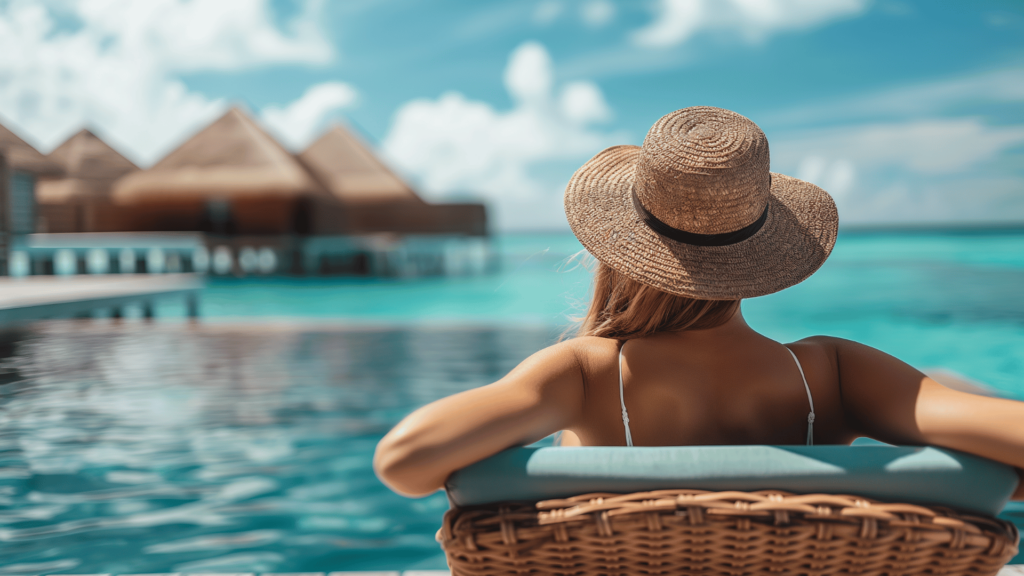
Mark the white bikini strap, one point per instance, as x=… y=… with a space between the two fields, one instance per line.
x=622 y=401
x=810 y=399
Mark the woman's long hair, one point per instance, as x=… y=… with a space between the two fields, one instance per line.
x=623 y=308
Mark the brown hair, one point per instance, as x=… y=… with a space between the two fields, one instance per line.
x=623 y=308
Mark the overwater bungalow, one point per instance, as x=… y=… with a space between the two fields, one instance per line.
x=375 y=199
x=247 y=205
x=378 y=224
x=21 y=166
x=230 y=179
x=80 y=200
x=25 y=165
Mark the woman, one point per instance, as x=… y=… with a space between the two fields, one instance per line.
x=683 y=228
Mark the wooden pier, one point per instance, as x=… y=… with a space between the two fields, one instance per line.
x=44 y=297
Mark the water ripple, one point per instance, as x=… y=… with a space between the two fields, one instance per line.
x=138 y=449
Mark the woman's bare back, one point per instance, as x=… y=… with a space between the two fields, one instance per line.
x=728 y=385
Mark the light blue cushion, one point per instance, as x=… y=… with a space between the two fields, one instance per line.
x=921 y=475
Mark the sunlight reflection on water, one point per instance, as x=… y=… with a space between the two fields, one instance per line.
x=177 y=448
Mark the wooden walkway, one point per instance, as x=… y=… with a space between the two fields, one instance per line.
x=41 y=297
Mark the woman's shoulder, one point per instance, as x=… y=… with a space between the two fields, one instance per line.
x=817 y=358
x=592 y=353
x=830 y=346
x=825 y=344
x=850 y=362
x=584 y=353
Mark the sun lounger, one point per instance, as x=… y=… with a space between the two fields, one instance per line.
x=729 y=510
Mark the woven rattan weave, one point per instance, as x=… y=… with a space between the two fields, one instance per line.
x=721 y=533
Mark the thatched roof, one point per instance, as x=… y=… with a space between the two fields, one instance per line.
x=232 y=157
x=91 y=167
x=352 y=172
x=23 y=157
x=86 y=156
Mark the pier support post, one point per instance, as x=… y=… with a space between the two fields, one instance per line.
x=116 y=313
x=192 y=306
x=147 y=310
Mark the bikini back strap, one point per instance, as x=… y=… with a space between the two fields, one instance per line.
x=622 y=401
x=810 y=399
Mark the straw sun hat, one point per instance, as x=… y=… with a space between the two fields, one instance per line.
x=695 y=211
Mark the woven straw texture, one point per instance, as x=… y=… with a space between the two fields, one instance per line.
x=706 y=171
x=721 y=533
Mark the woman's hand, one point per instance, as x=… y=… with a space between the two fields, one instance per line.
x=541 y=396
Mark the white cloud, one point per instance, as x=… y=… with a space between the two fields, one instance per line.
x=547 y=11
x=597 y=13
x=1005 y=85
x=836 y=176
x=115 y=68
x=974 y=199
x=924 y=170
x=529 y=75
x=905 y=154
x=923 y=99
x=582 y=102
x=593 y=13
x=455 y=145
x=678 y=20
x=297 y=123
x=927 y=147
x=202 y=35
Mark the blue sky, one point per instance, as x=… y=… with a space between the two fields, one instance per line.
x=907 y=111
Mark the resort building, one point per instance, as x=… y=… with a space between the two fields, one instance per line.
x=378 y=225
x=80 y=199
x=230 y=179
x=375 y=199
x=232 y=200
x=21 y=166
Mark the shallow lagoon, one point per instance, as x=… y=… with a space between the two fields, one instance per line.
x=932 y=299
x=243 y=443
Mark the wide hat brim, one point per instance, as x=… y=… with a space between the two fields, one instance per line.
x=796 y=238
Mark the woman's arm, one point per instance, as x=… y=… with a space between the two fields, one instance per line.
x=542 y=395
x=891 y=401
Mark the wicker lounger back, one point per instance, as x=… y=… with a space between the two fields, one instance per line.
x=728 y=533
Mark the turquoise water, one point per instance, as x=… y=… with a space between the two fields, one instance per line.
x=953 y=300
x=243 y=443
x=138 y=449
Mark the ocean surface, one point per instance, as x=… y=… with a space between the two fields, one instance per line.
x=243 y=442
